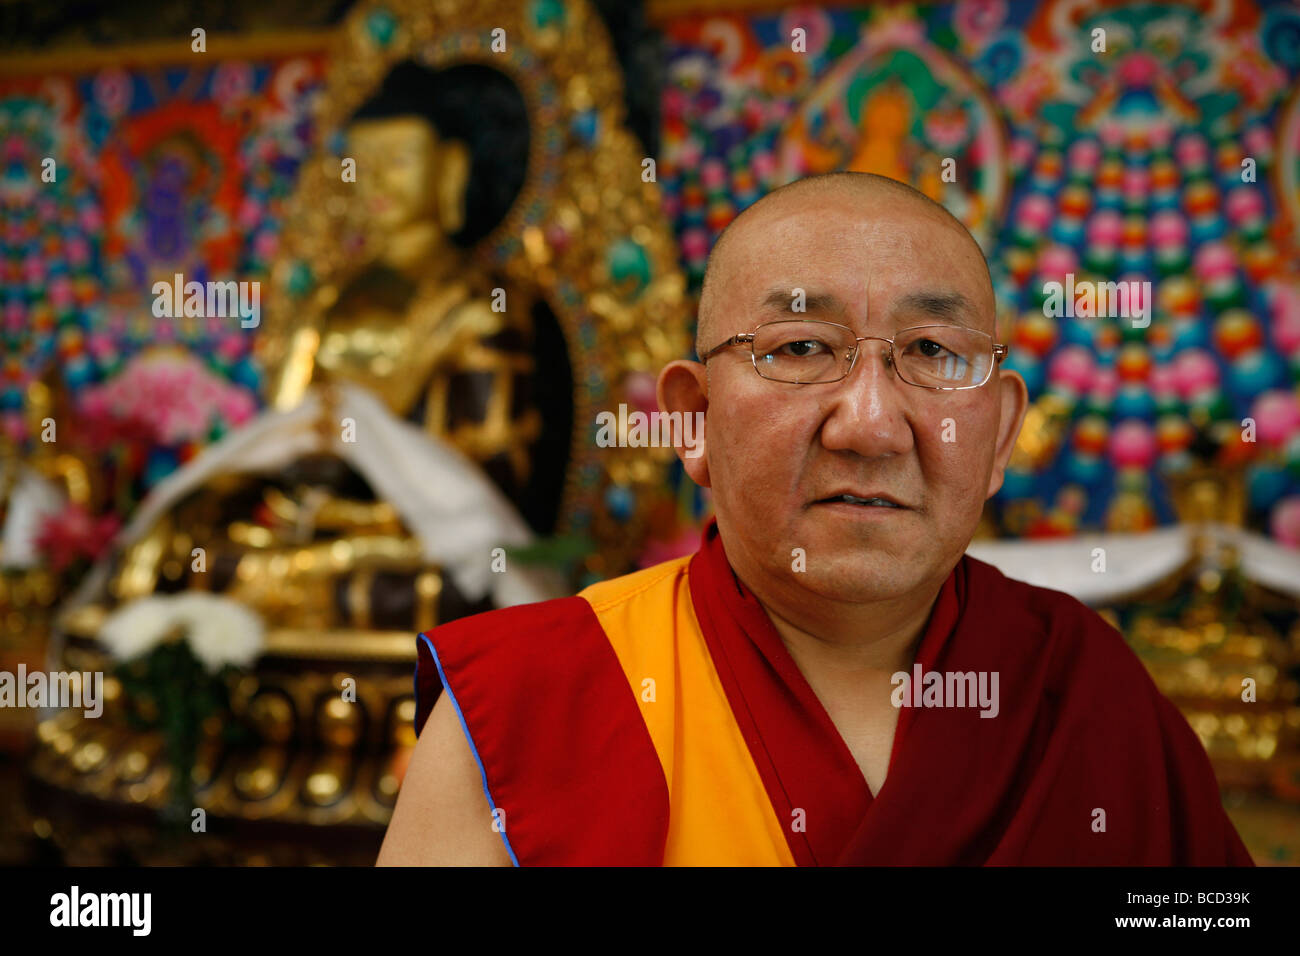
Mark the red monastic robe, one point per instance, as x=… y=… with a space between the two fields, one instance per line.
x=657 y=718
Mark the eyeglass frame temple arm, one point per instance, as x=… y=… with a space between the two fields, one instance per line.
x=742 y=338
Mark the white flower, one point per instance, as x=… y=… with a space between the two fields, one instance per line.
x=218 y=629
x=135 y=628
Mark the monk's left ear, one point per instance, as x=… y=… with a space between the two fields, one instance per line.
x=1013 y=396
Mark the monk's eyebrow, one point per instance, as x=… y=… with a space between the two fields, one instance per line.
x=782 y=300
x=952 y=306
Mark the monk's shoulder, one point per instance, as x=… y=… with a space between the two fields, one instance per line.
x=639 y=589
x=524 y=641
x=540 y=695
x=511 y=624
x=548 y=640
x=495 y=654
x=1078 y=644
x=640 y=612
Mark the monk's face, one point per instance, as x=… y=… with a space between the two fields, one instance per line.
x=775 y=452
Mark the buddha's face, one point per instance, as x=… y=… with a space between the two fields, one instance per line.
x=397 y=166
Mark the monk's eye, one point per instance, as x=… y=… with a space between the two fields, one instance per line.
x=803 y=348
x=929 y=348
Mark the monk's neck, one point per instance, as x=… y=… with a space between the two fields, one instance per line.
x=855 y=639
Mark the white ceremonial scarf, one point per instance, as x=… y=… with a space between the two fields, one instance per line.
x=1134 y=562
x=443 y=498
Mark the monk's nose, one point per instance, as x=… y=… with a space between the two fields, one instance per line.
x=867 y=415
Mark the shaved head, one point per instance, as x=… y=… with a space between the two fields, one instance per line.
x=864 y=191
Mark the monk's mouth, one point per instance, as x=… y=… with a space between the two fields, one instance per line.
x=874 y=502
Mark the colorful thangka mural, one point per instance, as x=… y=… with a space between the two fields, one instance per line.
x=1111 y=142
x=1173 y=156
x=116 y=179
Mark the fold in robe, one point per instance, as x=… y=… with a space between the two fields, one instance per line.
x=659 y=719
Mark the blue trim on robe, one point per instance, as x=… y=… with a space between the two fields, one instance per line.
x=465 y=727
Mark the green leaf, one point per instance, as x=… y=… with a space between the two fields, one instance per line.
x=555 y=551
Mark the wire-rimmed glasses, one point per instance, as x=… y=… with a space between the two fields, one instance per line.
x=814 y=352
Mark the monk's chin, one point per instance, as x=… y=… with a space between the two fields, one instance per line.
x=863 y=578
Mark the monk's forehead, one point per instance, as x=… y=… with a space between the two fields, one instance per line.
x=837 y=243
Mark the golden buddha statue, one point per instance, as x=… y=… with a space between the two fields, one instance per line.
x=413 y=322
x=336 y=574
x=464 y=271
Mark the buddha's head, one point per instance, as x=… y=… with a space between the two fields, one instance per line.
x=440 y=157
x=888 y=111
x=439 y=147
x=407 y=174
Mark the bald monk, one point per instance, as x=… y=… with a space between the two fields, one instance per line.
x=829 y=679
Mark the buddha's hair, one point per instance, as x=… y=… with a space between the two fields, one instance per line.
x=479 y=106
x=864 y=186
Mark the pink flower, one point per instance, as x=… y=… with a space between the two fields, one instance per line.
x=236 y=406
x=75 y=533
x=1285 y=522
x=640 y=389
x=165 y=399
